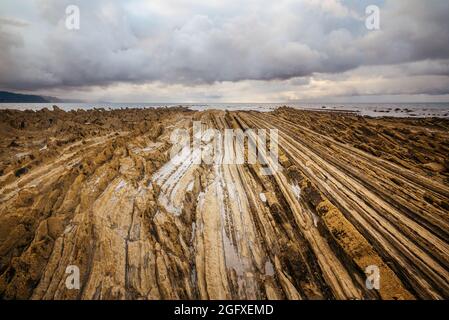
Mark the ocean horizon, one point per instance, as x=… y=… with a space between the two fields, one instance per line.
x=431 y=109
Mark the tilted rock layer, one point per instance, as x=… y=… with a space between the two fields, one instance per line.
x=98 y=190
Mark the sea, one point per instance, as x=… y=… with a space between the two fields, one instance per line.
x=413 y=110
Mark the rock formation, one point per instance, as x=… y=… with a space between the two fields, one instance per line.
x=98 y=190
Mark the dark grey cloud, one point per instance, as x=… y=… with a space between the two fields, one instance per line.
x=198 y=43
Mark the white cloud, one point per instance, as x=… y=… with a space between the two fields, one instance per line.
x=220 y=46
x=334 y=7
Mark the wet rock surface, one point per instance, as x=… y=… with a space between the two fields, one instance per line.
x=98 y=190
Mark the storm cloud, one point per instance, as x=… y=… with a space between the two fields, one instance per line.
x=290 y=49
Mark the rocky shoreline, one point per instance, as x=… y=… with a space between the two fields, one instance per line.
x=96 y=189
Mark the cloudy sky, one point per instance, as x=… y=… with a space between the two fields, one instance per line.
x=227 y=50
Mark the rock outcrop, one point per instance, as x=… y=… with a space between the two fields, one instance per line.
x=99 y=190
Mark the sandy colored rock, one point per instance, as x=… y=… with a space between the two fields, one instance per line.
x=100 y=191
